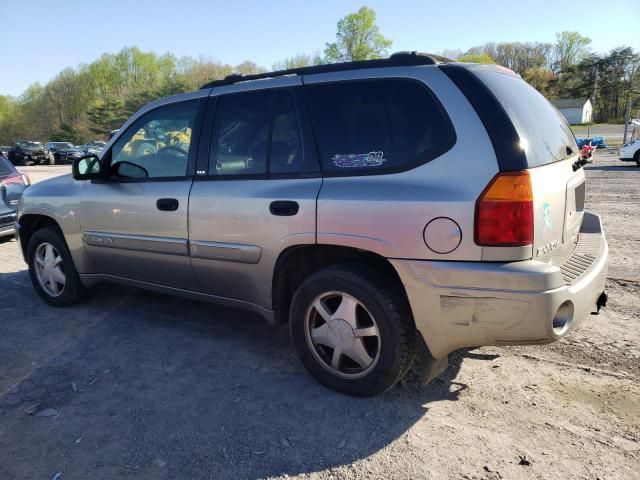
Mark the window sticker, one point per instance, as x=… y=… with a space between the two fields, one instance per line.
x=358 y=160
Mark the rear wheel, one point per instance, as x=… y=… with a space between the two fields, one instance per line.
x=353 y=331
x=51 y=269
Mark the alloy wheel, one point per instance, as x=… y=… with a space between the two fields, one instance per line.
x=342 y=334
x=49 y=269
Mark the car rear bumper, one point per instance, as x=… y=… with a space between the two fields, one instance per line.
x=7 y=223
x=470 y=304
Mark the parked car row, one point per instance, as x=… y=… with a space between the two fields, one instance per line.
x=53 y=153
x=12 y=185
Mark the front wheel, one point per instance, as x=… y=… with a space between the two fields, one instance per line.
x=353 y=330
x=51 y=269
x=636 y=157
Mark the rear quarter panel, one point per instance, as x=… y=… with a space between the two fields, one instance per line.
x=387 y=214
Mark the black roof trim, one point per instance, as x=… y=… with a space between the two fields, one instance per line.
x=503 y=134
x=399 y=59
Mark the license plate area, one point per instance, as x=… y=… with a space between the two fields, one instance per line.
x=574 y=210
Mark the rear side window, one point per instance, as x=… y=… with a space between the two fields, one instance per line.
x=377 y=126
x=543 y=131
x=6 y=168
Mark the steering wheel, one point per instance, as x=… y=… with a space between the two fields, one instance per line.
x=173 y=147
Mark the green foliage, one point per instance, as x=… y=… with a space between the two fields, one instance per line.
x=358 y=38
x=476 y=58
x=516 y=56
x=297 y=61
x=569 y=49
x=106 y=116
x=66 y=134
x=541 y=78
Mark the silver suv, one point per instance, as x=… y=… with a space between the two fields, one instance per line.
x=391 y=211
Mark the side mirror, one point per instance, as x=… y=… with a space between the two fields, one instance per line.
x=126 y=169
x=87 y=167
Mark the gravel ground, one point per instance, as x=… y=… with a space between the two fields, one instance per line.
x=138 y=385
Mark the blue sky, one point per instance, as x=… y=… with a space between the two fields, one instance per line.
x=38 y=38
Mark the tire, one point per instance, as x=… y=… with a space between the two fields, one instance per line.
x=636 y=157
x=145 y=148
x=71 y=291
x=389 y=340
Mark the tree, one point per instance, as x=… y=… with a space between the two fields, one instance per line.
x=299 y=60
x=516 y=56
x=476 y=58
x=107 y=116
x=569 y=49
x=541 y=78
x=66 y=134
x=357 y=38
x=248 y=67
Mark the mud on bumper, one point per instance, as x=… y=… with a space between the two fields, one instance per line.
x=471 y=304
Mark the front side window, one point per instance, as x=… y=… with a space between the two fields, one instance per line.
x=373 y=126
x=255 y=133
x=157 y=145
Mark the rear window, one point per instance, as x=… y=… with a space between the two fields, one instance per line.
x=543 y=131
x=6 y=168
x=377 y=126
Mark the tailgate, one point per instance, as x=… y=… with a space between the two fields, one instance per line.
x=558 y=194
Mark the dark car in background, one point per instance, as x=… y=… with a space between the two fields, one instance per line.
x=25 y=152
x=92 y=147
x=68 y=155
x=57 y=150
x=12 y=185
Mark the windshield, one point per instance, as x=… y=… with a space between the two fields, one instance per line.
x=29 y=144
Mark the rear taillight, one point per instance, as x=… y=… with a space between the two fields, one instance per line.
x=504 y=211
x=17 y=178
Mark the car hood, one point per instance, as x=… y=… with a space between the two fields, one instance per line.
x=56 y=186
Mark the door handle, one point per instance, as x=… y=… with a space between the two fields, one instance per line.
x=167 y=204
x=284 y=208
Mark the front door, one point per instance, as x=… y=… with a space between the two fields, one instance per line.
x=134 y=225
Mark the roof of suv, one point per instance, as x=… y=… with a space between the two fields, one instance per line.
x=399 y=59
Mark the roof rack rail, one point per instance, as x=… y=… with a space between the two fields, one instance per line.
x=399 y=59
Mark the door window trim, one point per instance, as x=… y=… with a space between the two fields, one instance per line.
x=304 y=131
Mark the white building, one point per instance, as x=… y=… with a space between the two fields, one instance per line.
x=575 y=110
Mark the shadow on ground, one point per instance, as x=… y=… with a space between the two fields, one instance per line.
x=6 y=239
x=172 y=388
x=613 y=168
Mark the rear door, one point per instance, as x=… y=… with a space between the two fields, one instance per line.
x=551 y=151
x=255 y=191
